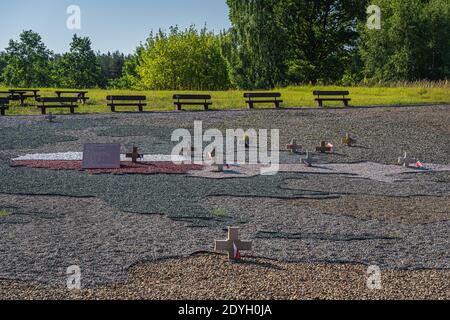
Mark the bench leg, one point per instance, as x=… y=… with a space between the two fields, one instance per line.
x=72 y=110
x=2 y=112
x=320 y=103
x=141 y=109
x=178 y=107
x=250 y=105
x=206 y=107
x=346 y=103
x=113 y=109
x=43 y=111
x=277 y=104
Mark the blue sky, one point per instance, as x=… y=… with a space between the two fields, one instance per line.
x=111 y=24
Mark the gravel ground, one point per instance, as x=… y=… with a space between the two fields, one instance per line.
x=210 y=277
x=106 y=224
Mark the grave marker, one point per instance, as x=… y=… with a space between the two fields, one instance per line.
x=50 y=117
x=134 y=155
x=406 y=161
x=308 y=161
x=348 y=140
x=101 y=156
x=293 y=147
x=325 y=147
x=233 y=245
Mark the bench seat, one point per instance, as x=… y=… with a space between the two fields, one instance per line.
x=192 y=100
x=55 y=102
x=126 y=101
x=262 y=97
x=332 y=96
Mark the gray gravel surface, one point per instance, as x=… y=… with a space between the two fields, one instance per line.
x=108 y=223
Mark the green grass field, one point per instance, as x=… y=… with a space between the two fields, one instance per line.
x=233 y=99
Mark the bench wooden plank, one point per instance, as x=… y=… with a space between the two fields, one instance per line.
x=192 y=97
x=262 y=95
x=126 y=98
x=331 y=93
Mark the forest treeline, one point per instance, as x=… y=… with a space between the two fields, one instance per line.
x=271 y=43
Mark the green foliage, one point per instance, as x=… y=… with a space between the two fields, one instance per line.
x=182 y=60
x=78 y=68
x=28 y=62
x=111 y=65
x=255 y=46
x=3 y=64
x=321 y=38
x=413 y=43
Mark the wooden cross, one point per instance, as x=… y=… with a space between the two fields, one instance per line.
x=405 y=161
x=232 y=244
x=348 y=140
x=50 y=117
x=134 y=155
x=324 y=147
x=308 y=161
x=293 y=146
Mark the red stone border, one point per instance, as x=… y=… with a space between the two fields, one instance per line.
x=125 y=167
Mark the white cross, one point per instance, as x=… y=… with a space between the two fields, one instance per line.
x=308 y=161
x=293 y=146
x=231 y=242
x=405 y=161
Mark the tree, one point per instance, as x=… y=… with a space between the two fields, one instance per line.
x=78 y=68
x=130 y=75
x=255 y=45
x=111 y=65
x=3 y=65
x=321 y=37
x=182 y=60
x=413 y=43
x=28 y=62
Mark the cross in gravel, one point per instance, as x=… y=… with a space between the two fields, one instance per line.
x=134 y=155
x=50 y=117
x=324 y=147
x=293 y=146
x=405 y=161
x=308 y=161
x=233 y=245
x=348 y=140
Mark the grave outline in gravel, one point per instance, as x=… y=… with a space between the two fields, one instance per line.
x=254 y=203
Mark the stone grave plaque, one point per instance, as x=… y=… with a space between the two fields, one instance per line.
x=101 y=156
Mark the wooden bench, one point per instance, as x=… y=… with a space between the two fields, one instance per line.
x=327 y=96
x=192 y=100
x=126 y=101
x=262 y=97
x=81 y=95
x=4 y=105
x=57 y=102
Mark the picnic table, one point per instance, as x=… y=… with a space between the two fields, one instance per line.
x=23 y=94
x=81 y=95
